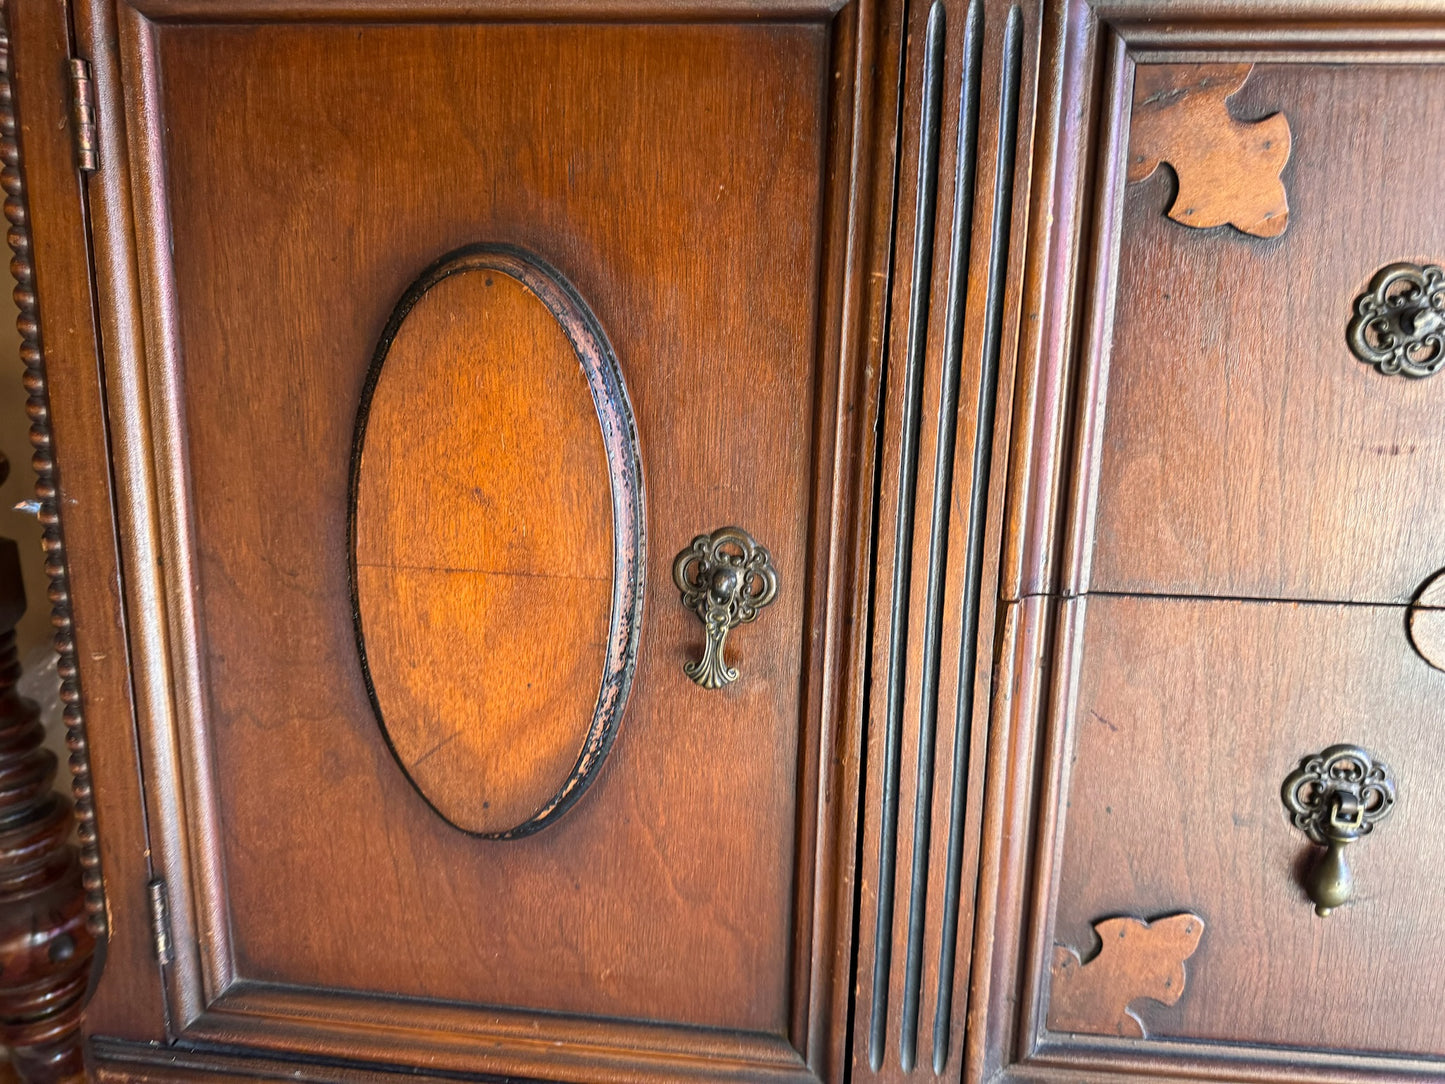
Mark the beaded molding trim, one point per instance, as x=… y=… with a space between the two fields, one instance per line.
x=37 y=407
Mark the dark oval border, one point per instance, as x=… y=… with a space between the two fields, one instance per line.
x=624 y=468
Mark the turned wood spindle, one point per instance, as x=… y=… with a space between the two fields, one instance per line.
x=45 y=944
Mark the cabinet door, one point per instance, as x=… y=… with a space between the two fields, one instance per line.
x=1233 y=582
x=435 y=333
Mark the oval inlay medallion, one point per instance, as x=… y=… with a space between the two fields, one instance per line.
x=497 y=540
x=1426 y=621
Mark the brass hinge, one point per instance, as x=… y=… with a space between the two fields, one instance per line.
x=82 y=116
x=160 y=921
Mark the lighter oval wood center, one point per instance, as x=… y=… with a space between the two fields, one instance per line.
x=496 y=597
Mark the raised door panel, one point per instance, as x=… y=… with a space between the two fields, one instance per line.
x=1224 y=505
x=349 y=203
x=447 y=336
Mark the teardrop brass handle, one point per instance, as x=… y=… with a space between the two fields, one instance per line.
x=1335 y=797
x=725 y=578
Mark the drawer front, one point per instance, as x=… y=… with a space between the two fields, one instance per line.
x=452 y=331
x=1222 y=519
x=1246 y=451
x=1186 y=721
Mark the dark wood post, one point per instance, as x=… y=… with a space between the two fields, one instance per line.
x=46 y=946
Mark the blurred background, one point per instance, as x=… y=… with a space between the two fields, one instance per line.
x=36 y=653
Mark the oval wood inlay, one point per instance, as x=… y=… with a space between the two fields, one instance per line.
x=496 y=540
x=1426 y=621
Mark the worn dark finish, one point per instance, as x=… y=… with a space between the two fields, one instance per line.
x=497 y=523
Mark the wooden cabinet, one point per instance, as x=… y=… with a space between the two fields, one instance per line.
x=441 y=332
x=1225 y=510
x=719 y=541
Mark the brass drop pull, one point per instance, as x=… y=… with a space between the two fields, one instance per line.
x=1399 y=322
x=725 y=578
x=1335 y=797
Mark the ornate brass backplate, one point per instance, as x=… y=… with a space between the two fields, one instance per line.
x=1399 y=323
x=1335 y=797
x=725 y=578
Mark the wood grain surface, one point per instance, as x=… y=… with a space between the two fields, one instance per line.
x=717 y=191
x=1215 y=530
x=954 y=310
x=656 y=205
x=484 y=550
x=1188 y=719
x=1227 y=170
x=71 y=400
x=1211 y=527
x=1135 y=960
x=1245 y=452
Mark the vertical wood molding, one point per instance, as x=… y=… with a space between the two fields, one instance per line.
x=998 y=256
x=914 y=347
x=12 y=179
x=961 y=121
x=948 y=401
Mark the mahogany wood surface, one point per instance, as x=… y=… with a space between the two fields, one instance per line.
x=1095 y=992
x=69 y=417
x=712 y=189
x=1174 y=804
x=628 y=929
x=1227 y=170
x=955 y=307
x=483 y=560
x=1089 y=527
x=1262 y=463
x=1218 y=516
x=1296 y=471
